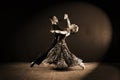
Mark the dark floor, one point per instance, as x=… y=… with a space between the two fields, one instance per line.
x=93 y=71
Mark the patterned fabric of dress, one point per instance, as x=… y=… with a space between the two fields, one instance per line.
x=61 y=56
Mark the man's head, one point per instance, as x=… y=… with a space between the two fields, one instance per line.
x=54 y=19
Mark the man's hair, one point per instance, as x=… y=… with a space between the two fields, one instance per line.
x=51 y=17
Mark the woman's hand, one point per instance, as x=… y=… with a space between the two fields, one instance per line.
x=65 y=16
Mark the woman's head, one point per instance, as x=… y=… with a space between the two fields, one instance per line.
x=74 y=28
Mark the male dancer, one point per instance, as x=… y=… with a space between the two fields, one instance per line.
x=55 y=26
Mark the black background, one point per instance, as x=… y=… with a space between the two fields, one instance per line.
x=14 y=14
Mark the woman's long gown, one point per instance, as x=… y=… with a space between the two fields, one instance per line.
x=61 y=56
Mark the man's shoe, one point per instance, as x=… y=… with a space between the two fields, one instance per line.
x=32 y=64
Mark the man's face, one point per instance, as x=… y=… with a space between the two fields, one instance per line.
x=55 y=19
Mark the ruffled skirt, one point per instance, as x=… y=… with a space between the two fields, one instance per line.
x=61 y=56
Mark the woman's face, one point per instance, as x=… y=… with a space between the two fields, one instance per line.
x=55 y=19
x=74 y=27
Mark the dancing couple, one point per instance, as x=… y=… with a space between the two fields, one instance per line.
x=59 y=54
